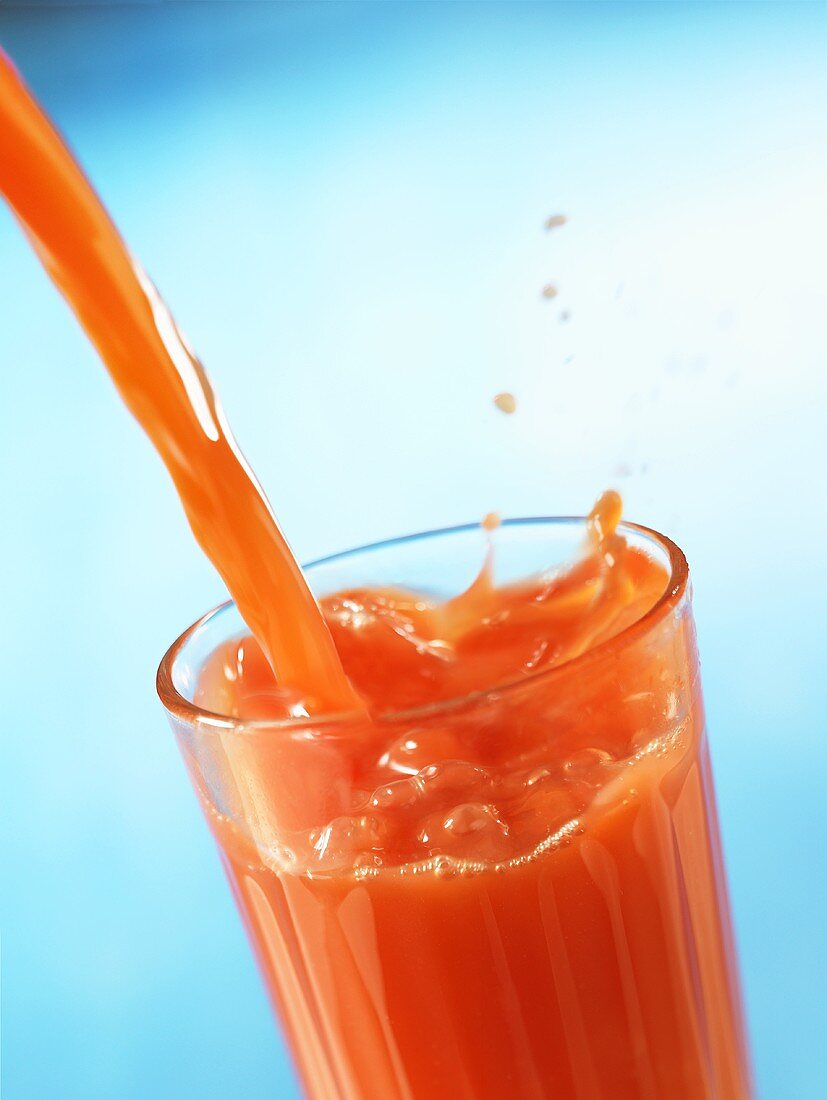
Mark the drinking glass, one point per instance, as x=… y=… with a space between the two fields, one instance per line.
x=566 y=932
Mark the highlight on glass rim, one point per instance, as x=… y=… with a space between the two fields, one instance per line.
x=520 y=312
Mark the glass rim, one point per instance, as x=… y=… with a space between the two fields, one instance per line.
x=192 y=714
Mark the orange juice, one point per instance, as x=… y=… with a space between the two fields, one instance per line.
x=508 y=882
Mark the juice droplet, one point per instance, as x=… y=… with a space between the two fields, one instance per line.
x=555 y=221
x=491 y=521
x=606 y=515
x=549 y=291
x=506 y=402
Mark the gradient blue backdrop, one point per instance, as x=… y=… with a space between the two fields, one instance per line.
x=343 y=204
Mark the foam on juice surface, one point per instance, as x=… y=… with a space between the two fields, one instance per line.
x=458 y=818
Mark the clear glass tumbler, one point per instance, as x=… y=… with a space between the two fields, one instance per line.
x=595 y=964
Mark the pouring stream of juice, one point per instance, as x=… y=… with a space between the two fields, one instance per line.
x=168 y=391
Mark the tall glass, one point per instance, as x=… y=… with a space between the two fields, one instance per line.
x=596 y=964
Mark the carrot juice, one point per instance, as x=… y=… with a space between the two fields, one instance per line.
x=469 y=822
x=508 y=882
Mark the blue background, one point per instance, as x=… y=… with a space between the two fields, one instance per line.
x=343 y=205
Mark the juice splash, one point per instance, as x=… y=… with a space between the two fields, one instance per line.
x=167 y=390
x=431 y=651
